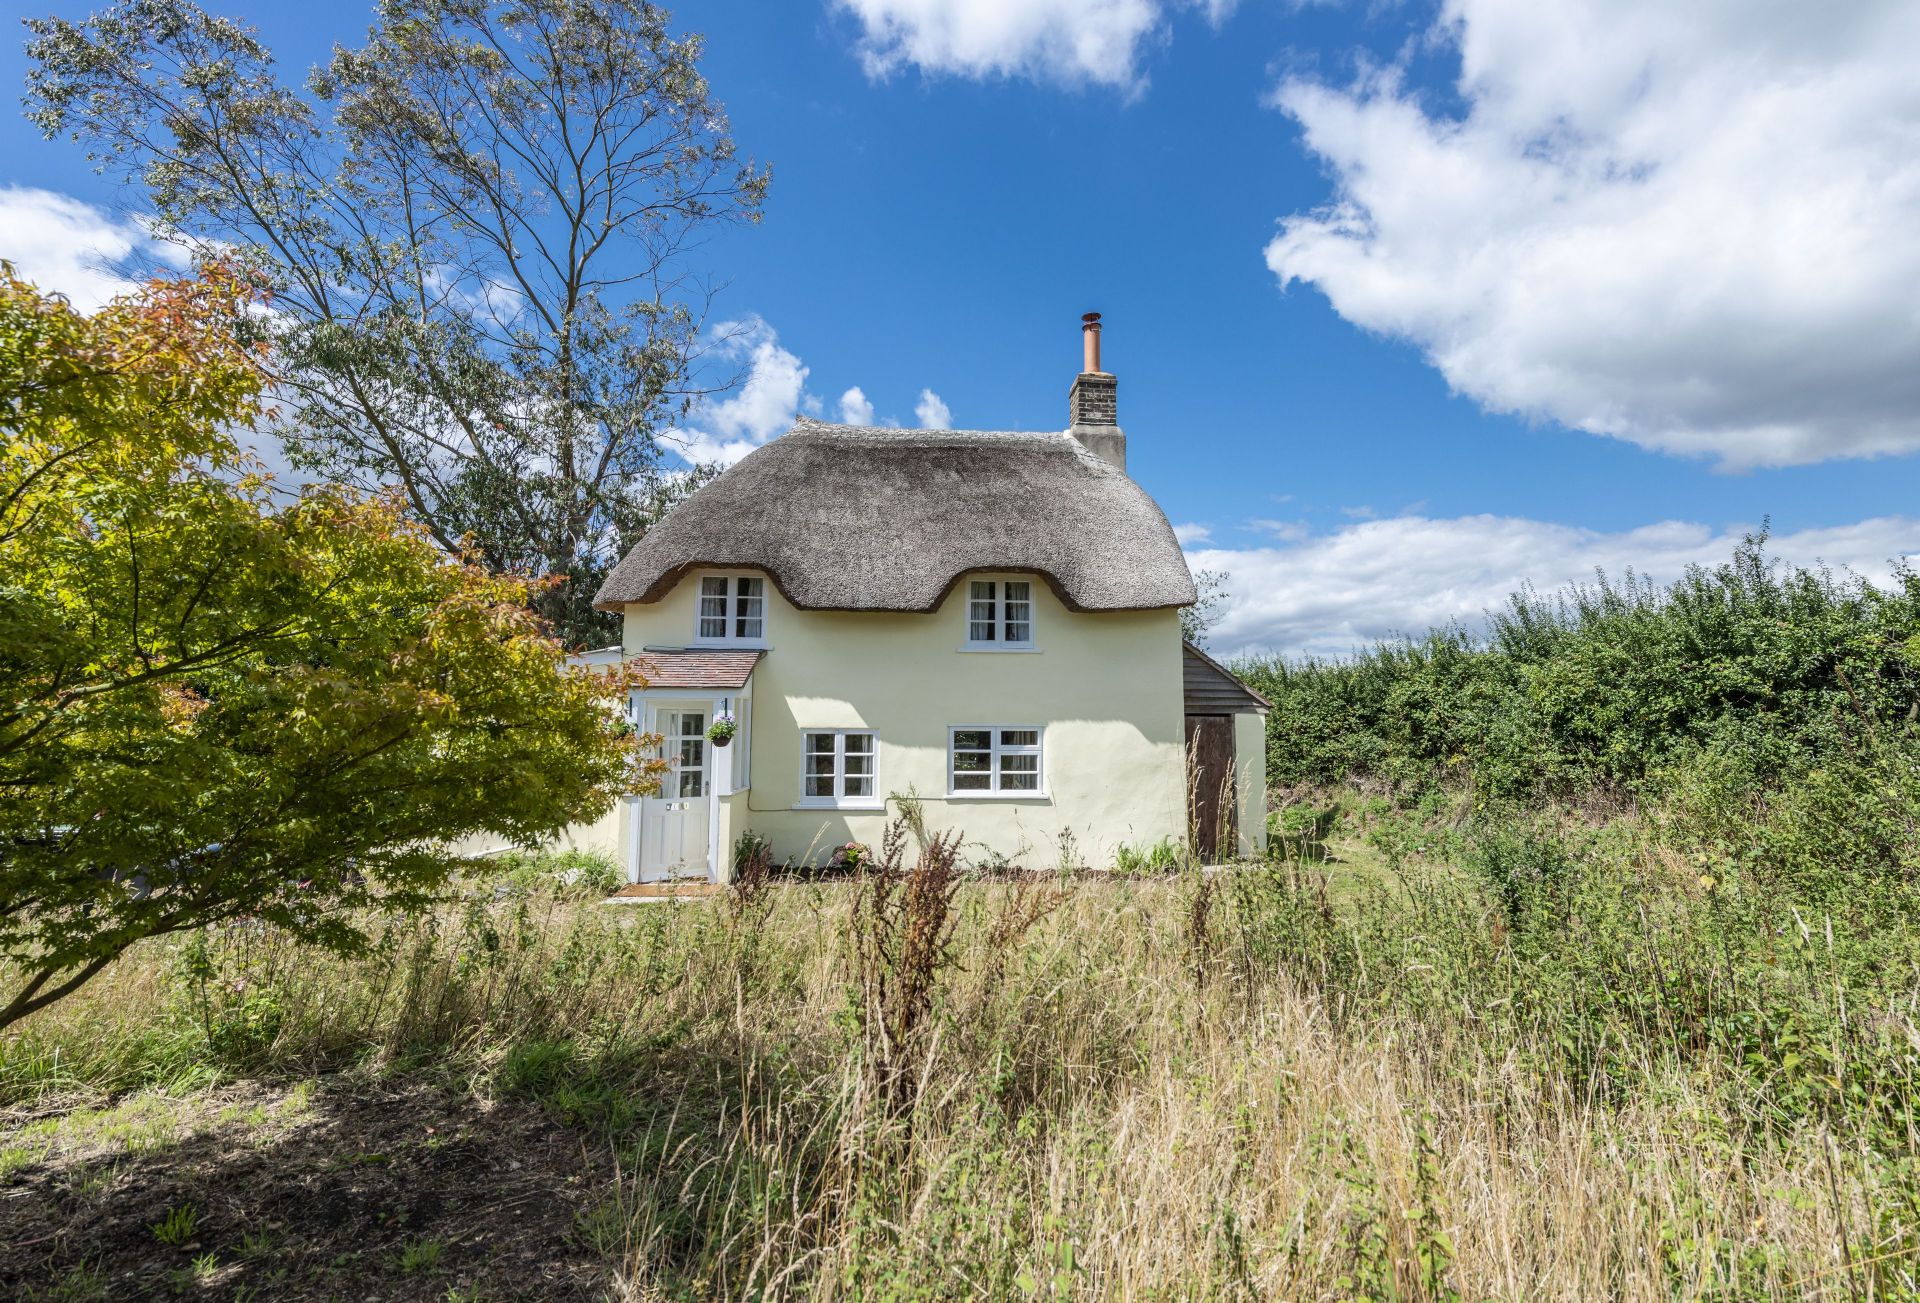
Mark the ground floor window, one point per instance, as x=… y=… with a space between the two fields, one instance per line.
x=995 y=760
x=837 y=767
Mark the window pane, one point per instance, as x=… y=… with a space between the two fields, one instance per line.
x=970 y=739
x=692 y=725
x=817 y=742
x=1019 y=737
x=858 y=785
x=690 y=782
x=1019 y=764
x=859 y=763
x=749 y=608
x=713 y=607
x=820 y=764
x=859 y=742
x=1019 y=782
x=971 y=782
x=1019 y=631
x=819 y=786
x=1018 y=590
x=981 y=617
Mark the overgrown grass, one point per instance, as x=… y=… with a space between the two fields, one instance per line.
x=1532 y=1057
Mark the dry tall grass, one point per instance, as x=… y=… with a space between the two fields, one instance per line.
x=1121 y=1094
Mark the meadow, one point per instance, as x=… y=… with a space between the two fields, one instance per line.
x=1357 y=1077
x=1583 y=967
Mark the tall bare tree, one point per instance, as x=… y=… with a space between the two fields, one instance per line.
x=476 y=227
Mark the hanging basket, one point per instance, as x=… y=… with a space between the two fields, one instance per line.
x=721 y=732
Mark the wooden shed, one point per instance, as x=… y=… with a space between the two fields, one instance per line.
x=1226 y=760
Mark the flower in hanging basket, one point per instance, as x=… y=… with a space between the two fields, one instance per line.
x=721 y=731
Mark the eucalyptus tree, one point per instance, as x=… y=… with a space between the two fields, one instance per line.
x=476 y=228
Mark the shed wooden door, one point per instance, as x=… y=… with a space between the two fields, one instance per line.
x=1211 y=807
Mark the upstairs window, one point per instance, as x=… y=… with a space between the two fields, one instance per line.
x=994 y=760
x=837 y=768
x=1000 y=614
x=733 y=608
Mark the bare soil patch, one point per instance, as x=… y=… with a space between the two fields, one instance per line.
x=320 y=1190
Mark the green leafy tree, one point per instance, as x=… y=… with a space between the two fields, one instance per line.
x=475 y=228
x=214 y=705
x=1197 y=620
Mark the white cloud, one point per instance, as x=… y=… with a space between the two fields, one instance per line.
x=62 y=244
x=774 y=388
x=771 y=390
x=855 y=407
x=932 y=412
x=1331 y=594
x=1190 y=534
x=1691 y=226
x=1287 y=531
x=1070 y=41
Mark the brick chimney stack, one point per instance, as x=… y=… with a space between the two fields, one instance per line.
x=1093 y=407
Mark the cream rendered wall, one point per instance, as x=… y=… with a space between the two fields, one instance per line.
x=1250 y=783
x=607 y=835
x=1105 y=686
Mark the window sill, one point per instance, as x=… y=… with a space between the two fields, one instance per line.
x=870 y=806
x=998 y=647
x=998 y=796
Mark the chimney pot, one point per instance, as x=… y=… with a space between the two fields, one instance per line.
x=1092 y=403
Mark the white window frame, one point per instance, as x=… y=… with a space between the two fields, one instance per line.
x=998 y=605
x=735 y=604
x=996 y=749
x=840 y=800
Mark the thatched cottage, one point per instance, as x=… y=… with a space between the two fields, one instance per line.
x=987 y=621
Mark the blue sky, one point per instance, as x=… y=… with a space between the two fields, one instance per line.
x=1567 y=285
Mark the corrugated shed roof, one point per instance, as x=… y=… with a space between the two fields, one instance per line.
x=1211 y=688
x=851 y=518
x=698 y=667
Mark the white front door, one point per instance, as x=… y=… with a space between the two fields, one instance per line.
x=673 y=825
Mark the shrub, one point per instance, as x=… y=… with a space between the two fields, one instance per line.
x=561 y=873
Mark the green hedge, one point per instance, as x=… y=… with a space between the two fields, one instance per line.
x=1772 y=670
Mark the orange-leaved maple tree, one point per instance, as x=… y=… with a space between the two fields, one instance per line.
x=219 y=701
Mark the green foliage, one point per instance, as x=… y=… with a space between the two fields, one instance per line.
x=1163 y=856
x=1780 y=672
x=475 y=227
x=585 y=874
x=178 y=1226
x=1300 y=830
x=1197 y=620
x=217 y=706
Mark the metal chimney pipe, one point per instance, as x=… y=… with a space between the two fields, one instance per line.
x=1090 y=341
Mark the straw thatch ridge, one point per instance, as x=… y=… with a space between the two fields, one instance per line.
x=845 y=517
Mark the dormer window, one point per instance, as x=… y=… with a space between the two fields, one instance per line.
x=1000 y=615
x=733 y=609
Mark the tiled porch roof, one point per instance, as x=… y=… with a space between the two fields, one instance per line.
x=697 y=667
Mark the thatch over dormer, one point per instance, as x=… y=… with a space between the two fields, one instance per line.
x=845 y=517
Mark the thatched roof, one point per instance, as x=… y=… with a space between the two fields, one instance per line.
x=846 y=517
